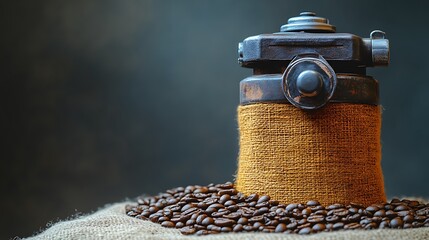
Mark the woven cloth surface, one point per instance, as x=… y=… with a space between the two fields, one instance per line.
x=112 y=223
x=332 y=154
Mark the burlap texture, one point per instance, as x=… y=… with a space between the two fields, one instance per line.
x=113 y=223
x=332 y=154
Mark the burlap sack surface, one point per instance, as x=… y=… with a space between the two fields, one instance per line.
x=112 y=223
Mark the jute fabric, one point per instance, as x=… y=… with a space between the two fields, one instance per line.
x=112 y=223
x=332 y=154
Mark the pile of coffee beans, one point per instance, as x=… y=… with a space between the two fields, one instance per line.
x=220 y=208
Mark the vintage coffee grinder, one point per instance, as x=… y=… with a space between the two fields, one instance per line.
x=309 y=116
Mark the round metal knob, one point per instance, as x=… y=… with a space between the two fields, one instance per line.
x=308 y=22
x=309 y=82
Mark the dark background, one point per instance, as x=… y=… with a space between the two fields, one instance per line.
x=103 y=100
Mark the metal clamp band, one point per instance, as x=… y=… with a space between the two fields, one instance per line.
x=350 y=88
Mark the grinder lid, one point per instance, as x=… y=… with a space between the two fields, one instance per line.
x=308 y=22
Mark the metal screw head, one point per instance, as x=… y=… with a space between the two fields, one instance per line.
x=309 y=83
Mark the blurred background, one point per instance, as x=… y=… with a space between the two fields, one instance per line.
x=104 y=100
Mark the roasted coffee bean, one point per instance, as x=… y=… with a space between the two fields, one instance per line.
x=321 y=212
x=262 y=204
x=163 y=218
x=352 y=226
x=291 y=206
x=319 y=227
x=207 y=221
x=306 y=211
x=335 y=206
x=229 y=203
x=190 y=210
x=365 y=221
x=305 y=225
x=256 y=219
x=302 y=221
x=233 y=215
x=371 y=225
x=312 y=203
x=154 y=218
x=216 y=228
x=380 y=213
x=199 y=227
x=408 y=218
x=353 y=210
x=184 y=218
x=216 y=205
x=416 y=224
x=257 y=224
x=306 y=230
x=372 y=209
x=423 y=211
x=224 y=198
x=248 y=228
x=168 y=224
x=292 y=225
x=315 y=218
x=338 y=225
x=281 y=228
x=202 y=232
x=285 y=220
x=401 y=208
x=419 y=218
x=223 y=222
x=228 y=191
x=226 y=185
x=272 y=222
x=217 y=214
x=202 y=190
x=332 y=219
x=354 y=218
x=384 y=224
x=242 y=221
x=219 y=208
x=188 y=206
x=252 y=197
x=403 y=213
x=233 y=208
x=396 y=223
x=238 y=228
x=391 y=214
x=188 y=230
x=210 y=210
x=341 y=212
x=153 y=209
x=263 y=198
x=261 y=211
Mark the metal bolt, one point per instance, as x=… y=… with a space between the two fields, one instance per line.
x=309 y=83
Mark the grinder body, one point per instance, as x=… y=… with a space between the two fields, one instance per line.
x=309 y=116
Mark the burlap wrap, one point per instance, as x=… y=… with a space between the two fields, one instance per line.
x=331 y=155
